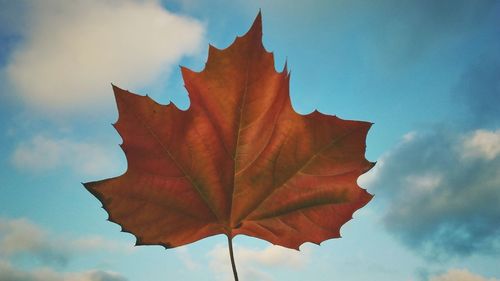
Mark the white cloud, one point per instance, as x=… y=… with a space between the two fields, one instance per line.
x=274 y=256
x=21 y=237
x=43 y=153
x=440 y=202
x=11 y=273
x=252 y=263
x=185 y=257
x=366 y=179
x=482 y=144
x=460 y=275
x=424 y=182
x=409 y=136
x=73 y=50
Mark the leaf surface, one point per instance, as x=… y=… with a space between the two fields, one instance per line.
x=240 y=160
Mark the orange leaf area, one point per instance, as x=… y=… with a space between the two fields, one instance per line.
x=240 y=160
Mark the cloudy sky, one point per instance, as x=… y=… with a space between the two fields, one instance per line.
x=427 y=73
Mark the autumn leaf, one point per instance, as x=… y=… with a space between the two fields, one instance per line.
x=240 y=160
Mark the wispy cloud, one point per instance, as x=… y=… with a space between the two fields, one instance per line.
x=70 y=52
x=43 y=153
x=442 y=189
x=481 y=144
x=460 y=275
x=11 y=273
x=23 y=238
x=186 y=258
x=253 y=263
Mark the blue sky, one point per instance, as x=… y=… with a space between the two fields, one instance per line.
x=427 y=73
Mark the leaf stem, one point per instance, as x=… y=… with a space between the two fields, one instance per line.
x=231 y=254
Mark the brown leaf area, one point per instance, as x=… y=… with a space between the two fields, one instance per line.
x=240 y=160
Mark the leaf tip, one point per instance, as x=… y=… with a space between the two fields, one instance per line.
x=116 y=91
x=115 y=88
x=285 y=67
x=256 y=27
x=212 y=51
x=166 y=245
x=186 y=74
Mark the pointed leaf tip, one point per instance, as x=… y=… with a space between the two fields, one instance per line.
x=256 y=27
x=285 y=67
x=116 y=90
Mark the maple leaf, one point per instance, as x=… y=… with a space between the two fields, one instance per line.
x=240 y=160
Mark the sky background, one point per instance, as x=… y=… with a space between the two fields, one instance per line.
x=427 y=73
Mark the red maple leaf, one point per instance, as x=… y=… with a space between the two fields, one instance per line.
x=240 y=160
